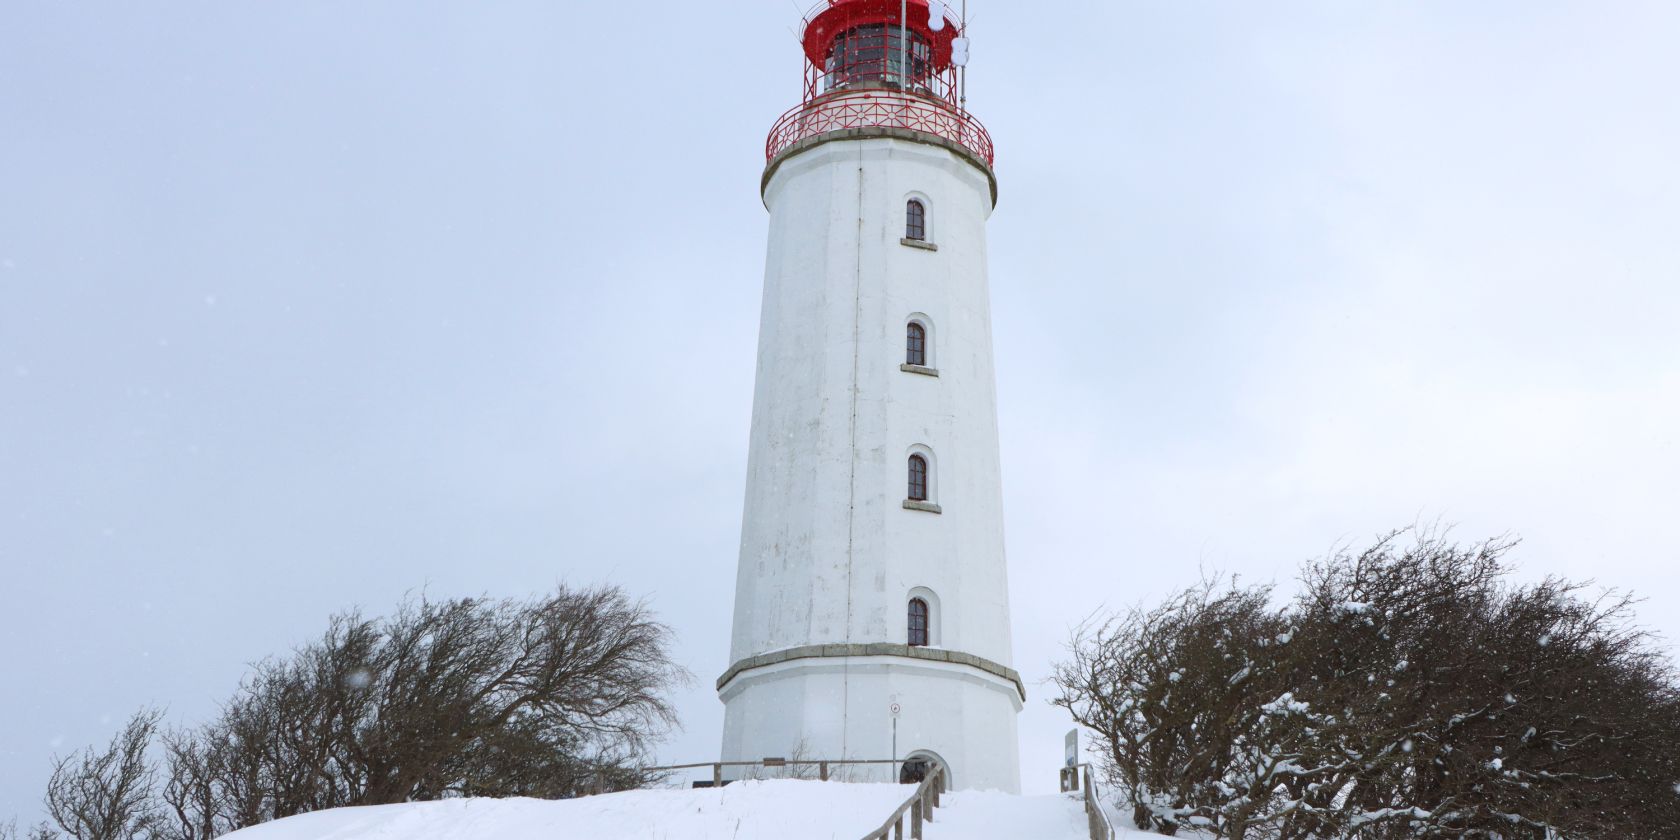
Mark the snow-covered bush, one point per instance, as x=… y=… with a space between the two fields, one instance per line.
x=1176 y=694
x=1409 y=690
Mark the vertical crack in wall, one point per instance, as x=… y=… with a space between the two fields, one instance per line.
x=851 y=488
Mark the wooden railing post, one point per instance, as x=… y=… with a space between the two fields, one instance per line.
x=717 y=774
x=916 y=819
x=898 y=828
x=822 y=770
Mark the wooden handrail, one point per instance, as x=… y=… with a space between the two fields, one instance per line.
x=777 y=762
x=1096 y=819
x=822 y=765
x=919 y=807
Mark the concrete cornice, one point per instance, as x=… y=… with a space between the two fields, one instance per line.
x=880 y=131
x=846 y=651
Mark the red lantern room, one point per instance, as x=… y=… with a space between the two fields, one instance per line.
x=885 y=64
x=871 y=42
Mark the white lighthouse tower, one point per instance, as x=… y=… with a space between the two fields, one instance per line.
x=871 y=605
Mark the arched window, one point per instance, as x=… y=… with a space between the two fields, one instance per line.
x=918 y=623
x=918 y=478
x=915 y=220
x=915 y=345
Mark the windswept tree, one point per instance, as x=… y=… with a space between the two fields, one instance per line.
x=1410 y=690
x=107 y=794
x=43 y=831
x=1170 y=689
x=549 y=697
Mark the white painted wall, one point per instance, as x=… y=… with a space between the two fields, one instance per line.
x=837 y=707
x=828 y=553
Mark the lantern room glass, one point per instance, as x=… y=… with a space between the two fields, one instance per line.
x=875 y=54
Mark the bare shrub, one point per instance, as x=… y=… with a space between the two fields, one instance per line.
x=107 y=794
x=551 y=697
x=10 y=831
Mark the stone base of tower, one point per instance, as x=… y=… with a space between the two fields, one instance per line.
x=842 y=707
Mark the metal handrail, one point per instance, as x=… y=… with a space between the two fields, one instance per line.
x=919 y=808
x=850 y=109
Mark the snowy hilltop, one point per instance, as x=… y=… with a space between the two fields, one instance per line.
x=752 y=810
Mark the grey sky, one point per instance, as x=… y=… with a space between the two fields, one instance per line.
x=306 y=305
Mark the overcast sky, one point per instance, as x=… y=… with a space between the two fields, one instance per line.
x=307 y=305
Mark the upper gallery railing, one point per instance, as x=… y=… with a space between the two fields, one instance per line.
x=878 y=109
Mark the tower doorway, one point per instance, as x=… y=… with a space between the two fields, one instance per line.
x=919 y=764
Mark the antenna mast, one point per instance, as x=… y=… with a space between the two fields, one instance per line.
x=962 y=82
x=904 y=44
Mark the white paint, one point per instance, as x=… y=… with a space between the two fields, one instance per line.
x=829 y=555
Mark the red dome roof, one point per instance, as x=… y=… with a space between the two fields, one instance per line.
x=836 y=16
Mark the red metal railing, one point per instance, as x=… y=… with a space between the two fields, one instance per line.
x=878 y=109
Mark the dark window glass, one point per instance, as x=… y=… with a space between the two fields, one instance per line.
x=915 y=345
x=875 y=53
x=918 y=623
x=915 y=221
x=918 y=478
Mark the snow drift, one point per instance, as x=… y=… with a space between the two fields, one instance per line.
x=754 y=810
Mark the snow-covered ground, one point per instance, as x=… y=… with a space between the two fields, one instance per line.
x=973 y=815
x=763 y=810
x=759 y=810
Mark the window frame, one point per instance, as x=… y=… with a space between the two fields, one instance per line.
x=916 y=344
x=925 y=619
x=915 y=220
x=918 y=474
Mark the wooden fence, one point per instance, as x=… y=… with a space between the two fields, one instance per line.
x=823 y=765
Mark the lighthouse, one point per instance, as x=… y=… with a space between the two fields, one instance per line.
x=871 y=606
